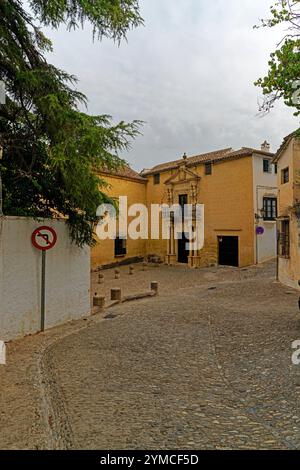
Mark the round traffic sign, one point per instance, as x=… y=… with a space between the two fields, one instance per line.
x=260 y=230
x=44 y=238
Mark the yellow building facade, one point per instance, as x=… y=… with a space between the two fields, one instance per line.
x=105 y=252
x=288 y=162
x=222 y=181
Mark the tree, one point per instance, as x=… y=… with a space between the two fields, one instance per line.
x=52 y=151
x=283 y=78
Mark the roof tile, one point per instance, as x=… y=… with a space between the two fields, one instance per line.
x=218 y=155
x=125 y=172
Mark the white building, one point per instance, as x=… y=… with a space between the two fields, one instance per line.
x=265 y=193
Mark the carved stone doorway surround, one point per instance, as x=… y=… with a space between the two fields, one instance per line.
x=183 y=181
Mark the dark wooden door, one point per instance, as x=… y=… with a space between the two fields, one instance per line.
x=183 y=253
x=228 y=251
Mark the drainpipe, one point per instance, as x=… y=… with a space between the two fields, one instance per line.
x=256 y=224
x=256 y=244
x=278 y=248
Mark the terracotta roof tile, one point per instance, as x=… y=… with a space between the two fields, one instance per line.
x=219 y=155
x=125 y=172
x=189 y=161
x=284 y=145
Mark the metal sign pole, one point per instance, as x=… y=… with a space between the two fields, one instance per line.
x=43 y=290
x=43 y=238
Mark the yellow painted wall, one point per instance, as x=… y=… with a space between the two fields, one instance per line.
x=103 y=251
x=157 y=194
x=229 y=211
x=289 y=193
x=286 y=191
x=227 y=195
x=228 y=198
x=289 y=268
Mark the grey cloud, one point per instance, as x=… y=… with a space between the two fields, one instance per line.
x=188 y=74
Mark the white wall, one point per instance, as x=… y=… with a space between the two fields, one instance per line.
x=265 y=185
x=67 y=278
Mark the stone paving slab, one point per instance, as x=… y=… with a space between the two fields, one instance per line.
x=205 y=365
x=170 y=277
x=194 y=368
x=26 y=413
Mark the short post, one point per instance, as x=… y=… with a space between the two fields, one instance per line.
x=278 y=253
x=154 y=287
x=100 y=278
x=117 y=274
x=116 y=294
x=131 y=270
x=99 y=301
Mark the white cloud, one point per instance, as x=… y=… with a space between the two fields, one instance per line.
x=188 y=73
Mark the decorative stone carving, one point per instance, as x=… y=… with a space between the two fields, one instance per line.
x=170 y=196
x=193 y=193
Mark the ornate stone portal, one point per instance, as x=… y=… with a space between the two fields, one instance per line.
x=183 y=182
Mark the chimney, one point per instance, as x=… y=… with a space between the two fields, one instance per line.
x=265 y=147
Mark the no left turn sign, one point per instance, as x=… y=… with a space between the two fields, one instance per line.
x=44 y=238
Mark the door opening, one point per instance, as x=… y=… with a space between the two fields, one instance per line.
x=228 y=251
x=183 y=252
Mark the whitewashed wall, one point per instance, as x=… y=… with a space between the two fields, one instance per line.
x=264 y=185
x=67 y=278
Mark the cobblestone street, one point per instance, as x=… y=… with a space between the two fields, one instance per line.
x=204 y=365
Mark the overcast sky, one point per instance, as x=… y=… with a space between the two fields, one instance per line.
x=188 y=73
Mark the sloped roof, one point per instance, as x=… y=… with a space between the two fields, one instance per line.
x=125 y=172
x=189 y=161
x=284 y=145
x=216 y=156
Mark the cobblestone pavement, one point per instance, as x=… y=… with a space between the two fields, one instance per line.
x=205 y=365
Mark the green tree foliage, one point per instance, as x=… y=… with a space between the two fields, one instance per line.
x=52 y=151
x=283 y=78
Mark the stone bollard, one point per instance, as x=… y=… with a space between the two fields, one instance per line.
x=117 y=274
x=131 y=270
x=116 y=294
x=154 y=287
x=100 y=278
x=99 y=301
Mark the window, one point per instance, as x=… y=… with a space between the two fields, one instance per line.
x=267 y=166
x=284 y=248
x=270 y=208
x=183 y=200
x=156 y=178
x=208 y=168
x=275 y=168
x=120 y=246
x=285 y=176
